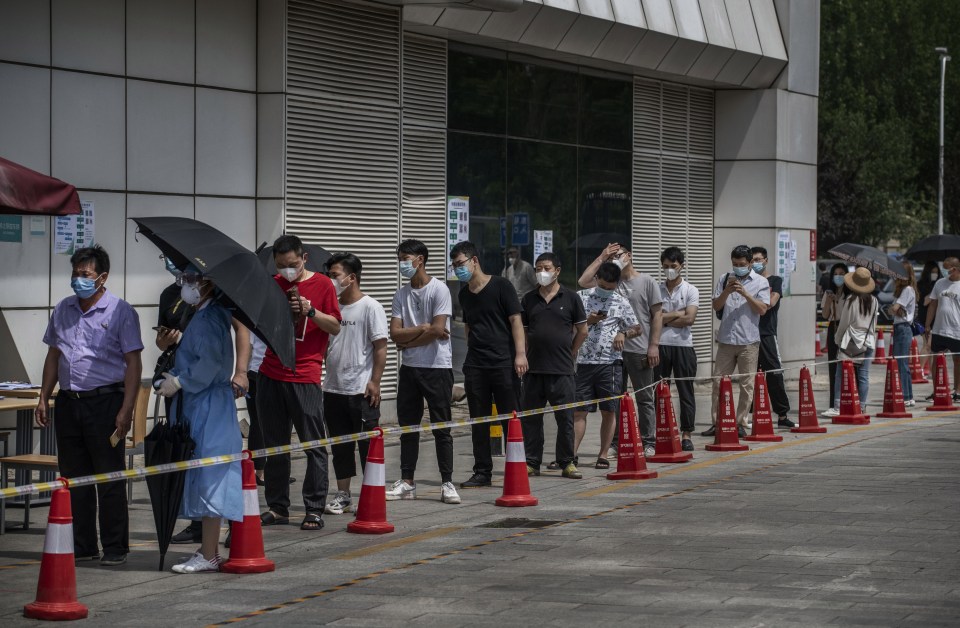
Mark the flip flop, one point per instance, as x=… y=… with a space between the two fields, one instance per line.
x=312 y=522
x=602 y=463
x=271 y=518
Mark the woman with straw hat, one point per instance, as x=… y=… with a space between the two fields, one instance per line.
x=857 y=331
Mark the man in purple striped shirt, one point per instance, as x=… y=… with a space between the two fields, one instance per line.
x=94 y=353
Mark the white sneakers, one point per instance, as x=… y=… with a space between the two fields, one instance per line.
x=340 y=504
x=198 y=564
x=448 y=494
x=649 y=451
x=909 y=403
x=404 y=490
x=830 y=412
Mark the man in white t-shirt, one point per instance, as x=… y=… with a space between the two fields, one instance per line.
x=943 y=317
x=355 y=361
x=420 y=327
x=678 y=358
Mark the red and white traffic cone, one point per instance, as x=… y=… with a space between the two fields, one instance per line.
x=850 y=413
x=246 y=537
x=917 y=376
x=516 y=484
x=762 y=430
x=880 y=357
x=942 y=393
x=726 y=438
x=807 y=416
x=668 y=447
x=819 y=348
x=824 y=344
x=631 y=464
x=893 y=406
x=57 y=586
x=372 y=507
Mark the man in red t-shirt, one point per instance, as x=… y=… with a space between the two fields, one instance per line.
x=286 y=397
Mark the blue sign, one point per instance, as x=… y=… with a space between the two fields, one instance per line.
x=521 y=229
x=503 y=232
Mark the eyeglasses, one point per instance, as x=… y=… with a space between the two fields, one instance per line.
x=189 y=278
x=460 y=264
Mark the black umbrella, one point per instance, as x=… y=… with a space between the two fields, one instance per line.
x=316 y=257
x=935 y=248
x=873 y=259
x=164 y=444
x=248 y=290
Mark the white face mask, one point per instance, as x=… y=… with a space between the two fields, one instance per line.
x=620 y=264
x=544 y=278
x=934 y=276
x=290 y=274
x=339 y=287
x=511 y=261
x=671 y=273
x=190 y=293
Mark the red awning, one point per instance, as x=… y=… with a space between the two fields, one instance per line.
x=26 y=191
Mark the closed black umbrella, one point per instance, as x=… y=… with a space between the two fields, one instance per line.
x=316 y=257
x=167 y=442
x=935 y=248
x=247 y=288
x=871 y=258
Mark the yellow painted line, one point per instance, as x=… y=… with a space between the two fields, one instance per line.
x=407 y=540
x=603 y=490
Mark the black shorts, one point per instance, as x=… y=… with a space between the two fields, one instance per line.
x=597 y=381
x=944 y=343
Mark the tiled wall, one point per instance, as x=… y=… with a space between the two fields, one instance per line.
x=150 y=109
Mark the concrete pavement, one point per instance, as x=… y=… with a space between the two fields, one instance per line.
x=857 y=526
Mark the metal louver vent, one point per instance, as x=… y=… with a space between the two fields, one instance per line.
x=673 y=188
x=343 y=138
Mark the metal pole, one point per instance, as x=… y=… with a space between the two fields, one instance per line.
x=944 y=57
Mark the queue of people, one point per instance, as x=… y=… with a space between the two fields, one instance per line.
x=548 y=345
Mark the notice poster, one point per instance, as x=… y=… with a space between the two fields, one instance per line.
x=74 y=232
x=542 y=243
x=11 y=229
x=458 y=225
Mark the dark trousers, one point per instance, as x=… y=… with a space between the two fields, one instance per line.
x=832 y=350
x=435 y=386
x=637 y=367
x=769 y=360
x=280 y=406
x=680 y=362
x=255 y=435
x=84 y=427
x=349 y=414
x=484 y=388
x=539 y=390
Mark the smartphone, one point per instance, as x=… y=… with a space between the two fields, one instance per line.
x=602 y=313
x=115 y=438
x=161 y=329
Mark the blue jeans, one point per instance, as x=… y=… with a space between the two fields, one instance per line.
x=902 y=337
x=862 y=368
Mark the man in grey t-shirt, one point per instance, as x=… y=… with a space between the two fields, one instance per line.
x=641 y=353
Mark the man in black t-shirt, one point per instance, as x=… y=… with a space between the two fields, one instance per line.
x=556 y=325
x=769 y=358
x=496 y=351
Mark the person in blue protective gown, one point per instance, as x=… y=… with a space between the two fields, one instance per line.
x=202 y=371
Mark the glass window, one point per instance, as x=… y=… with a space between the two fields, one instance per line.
x=603 y=195
x=476 y=93
x=606 y=111
x=542 y=103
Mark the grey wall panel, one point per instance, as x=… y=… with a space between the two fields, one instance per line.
x=743 y=26
x=736 y=70
x=466 y=20
x=768 y=29
x=710 y=62
x=510 y=26
x=681 y=57
x=716 y=23
x=548 y=28
x=629 y=13
x=584 y=36
x=651 y=50
x=618 y=43
x=689 y=22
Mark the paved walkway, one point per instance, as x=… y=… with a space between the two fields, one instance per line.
x=857 y=526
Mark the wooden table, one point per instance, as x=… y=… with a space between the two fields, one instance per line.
x=22 y=393
x=24 y=441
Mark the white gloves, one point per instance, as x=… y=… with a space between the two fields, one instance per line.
x=169 y=386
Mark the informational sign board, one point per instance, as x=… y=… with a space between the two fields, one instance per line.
x=458 y=224
x=11 y=229
x=521 y=230
x=542 y=243
x=74 y=232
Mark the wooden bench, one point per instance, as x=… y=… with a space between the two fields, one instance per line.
x=28 y=463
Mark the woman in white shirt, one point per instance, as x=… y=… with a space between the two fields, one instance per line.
x=857 y=331
x=904 y=309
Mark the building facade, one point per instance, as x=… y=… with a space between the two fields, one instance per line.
x=651 y=122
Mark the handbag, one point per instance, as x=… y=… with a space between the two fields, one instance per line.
x=164 y=364
x=917 y=329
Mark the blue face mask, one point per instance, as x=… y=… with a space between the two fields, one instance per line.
x=84 y=287
x=602 y=293
x=406 y=269
x=838 y=280
x=463 y=273
x=741 y=271
x=757 y=267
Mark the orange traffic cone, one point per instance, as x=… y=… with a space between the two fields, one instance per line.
x=631 y=464
x=850 y=413
x=372 y=508
x=516 y=484
x=917 y=375
x=818 y=349
x=726 y=438
x=880 y=357
x=893 y=407
x=762 y=416
x=668 y=437
x=807 y=417
x=57 y=586
x=246 y=542
x=942 y=393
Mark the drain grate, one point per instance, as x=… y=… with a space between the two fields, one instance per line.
x=518 y=522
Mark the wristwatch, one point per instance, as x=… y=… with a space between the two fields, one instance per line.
x=312 y=312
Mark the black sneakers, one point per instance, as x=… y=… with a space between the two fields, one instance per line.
x=686 y=444
x=785 y=423
x=741 y=431
x=710 y=432
x=476 y=481
x=190 y=534
x=112 y=560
